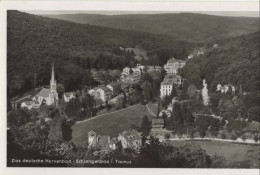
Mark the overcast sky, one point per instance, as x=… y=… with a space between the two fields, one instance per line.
x=218 y=13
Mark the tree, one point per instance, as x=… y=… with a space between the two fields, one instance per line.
x=256 y=138
x=17 y=118
x=218 y=162
x=223 y=136
x=144 y=125
x=244 y=137
x=234 y=137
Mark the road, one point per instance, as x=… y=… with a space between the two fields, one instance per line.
x=105 y=114
x=247 y=141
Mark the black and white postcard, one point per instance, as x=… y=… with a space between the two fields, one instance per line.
x=151 y=86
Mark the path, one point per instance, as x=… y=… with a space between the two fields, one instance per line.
x=248 y=141
x=150 y=110
x=105 y=114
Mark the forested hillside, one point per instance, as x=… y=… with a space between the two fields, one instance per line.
x=235 y=60
x=33 y=42
x=184 y=26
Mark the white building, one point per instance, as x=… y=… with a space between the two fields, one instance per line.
x=104 y=142
x=104 y=93
x=173 y=66
x=131 y=139
x=166 y=87
x=30 y=104
x=126 y=71
x=68 y=96
x=225 y=88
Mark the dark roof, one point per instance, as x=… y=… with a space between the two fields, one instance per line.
x=103 y=141
x=105 y=89
x=44 y=92
x=129 y=135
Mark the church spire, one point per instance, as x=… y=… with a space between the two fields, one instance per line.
x=52 y=73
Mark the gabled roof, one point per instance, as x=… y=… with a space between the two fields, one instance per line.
x=92 y=133
x=129 y=135
x=105 y=89
x=44 y=92
x=103 y=141
x=67 y=94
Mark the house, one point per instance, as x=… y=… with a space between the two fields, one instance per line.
x=30 y=104
x=157 y=123
x=166 y=87
x=141 y=67
x=137 y=70
x=93 y=91
x=68 y=96
x=48 y=96
x=173 y=65
x=177 y=80
x=225 y=88
x=103 y=142
x=114 y=87
x=104 y=93
x=131 y=139
x=126 y=71
x=166 y=112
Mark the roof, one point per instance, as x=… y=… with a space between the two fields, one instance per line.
x=172 y=76
x=103 y=141
x=91 y=133
x=44 y=92
x=67 y=94
x=106 y=89
x=114 y=84
x=167 y=82
x=113 y=140
x=129 y=135
x=27 y=103
x=253 y=126
x=173 y=60
x=157 y=121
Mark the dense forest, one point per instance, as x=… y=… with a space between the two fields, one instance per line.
x=236 y=60
x=33 y=42
x=184 y=26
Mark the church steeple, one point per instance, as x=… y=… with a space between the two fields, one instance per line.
x=52 y=73
x=53 y=85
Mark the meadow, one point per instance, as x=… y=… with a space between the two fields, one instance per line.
x=109 y=124
x=232 y=153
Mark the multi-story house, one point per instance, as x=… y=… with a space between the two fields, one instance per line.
x=131 y=139
x=104 y=93
x=166 y=87
x=68 y=96
x=103 y=142
x=173 y=65
x=126 y=71
x=114 y=87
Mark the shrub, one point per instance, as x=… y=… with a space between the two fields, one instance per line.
x=167 y=135
x=256 y=138
x=223 y=136
x=234 y=137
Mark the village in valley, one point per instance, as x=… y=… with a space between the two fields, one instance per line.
x=116 y=96
x=133 y=103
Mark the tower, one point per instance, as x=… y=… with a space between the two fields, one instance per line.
x=53 y=85
x=53 y=88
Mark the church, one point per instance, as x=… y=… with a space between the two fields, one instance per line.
x=48 y=96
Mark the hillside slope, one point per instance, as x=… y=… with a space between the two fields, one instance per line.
x=183 y=26
x=236 y=60
x=33 y=42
